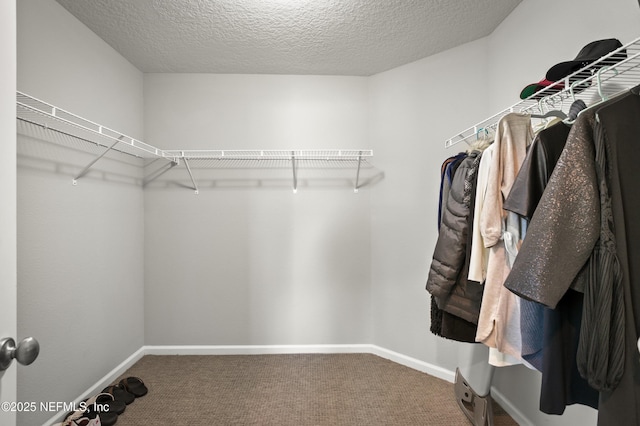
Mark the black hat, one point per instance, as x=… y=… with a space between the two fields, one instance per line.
x=590 y=53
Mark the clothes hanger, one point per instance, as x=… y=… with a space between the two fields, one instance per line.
x=603 y=96
x=483 y=139
x=484 y=131
x=577 y=105
x=552 y=116
x=549 y=114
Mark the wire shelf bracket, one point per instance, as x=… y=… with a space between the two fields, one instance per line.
x=193 y=181
x=357 y=186
x=153 y=176
x=88 y=166
x=294 y=167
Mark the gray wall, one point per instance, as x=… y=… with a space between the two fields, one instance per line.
x=80 y=248
x=413 y=109
x=247 y=261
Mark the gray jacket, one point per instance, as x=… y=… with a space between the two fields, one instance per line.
x=447 y=280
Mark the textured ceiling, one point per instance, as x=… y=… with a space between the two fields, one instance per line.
x=337 y=37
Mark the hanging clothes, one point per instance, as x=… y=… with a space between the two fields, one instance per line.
x=499 y=321
x=618 y=127
x=444 y=324
x=447 y=280
x=564 y=228
x=536 y=170
x=447 y=170
x=479 y=254
x=549 y=336
x=589 y=219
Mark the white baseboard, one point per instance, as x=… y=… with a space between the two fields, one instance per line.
x=396 y=357
x=255 y=349
x=508 y=406
x=414 y=363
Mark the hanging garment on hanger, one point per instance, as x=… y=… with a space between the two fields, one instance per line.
x=564 y=228
x=499 y=321
x=562 y=385
x=479 y=254
x=451 y=288
x=601 y=349
x=549 y=336
x=618 y=124
x=612 y=363
x=567 y=224
x=536 y=170
x=444 y=324
x=447 y=170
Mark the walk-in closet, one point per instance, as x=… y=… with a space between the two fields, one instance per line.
x=242 y=199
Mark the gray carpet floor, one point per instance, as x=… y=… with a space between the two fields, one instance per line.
x=300 y=390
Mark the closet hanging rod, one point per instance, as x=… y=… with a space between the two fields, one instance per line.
x=276 y=154
x=624 y=73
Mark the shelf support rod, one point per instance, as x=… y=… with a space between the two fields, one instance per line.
x=88 y=166
x=295 y=172
x=355 y=189
x=186 y=163
x=164 y=169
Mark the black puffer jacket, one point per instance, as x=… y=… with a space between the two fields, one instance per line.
x=447 y=281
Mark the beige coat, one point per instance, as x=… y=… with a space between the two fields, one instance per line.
x=499 y=322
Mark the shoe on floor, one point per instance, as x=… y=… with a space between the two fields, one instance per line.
x=80 y=418
x=119 y=393
x=101 y=410
x=134 y=385
x=82 y=421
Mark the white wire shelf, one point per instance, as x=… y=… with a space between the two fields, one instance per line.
x=75 y=129
x=609 y=75
x=39 y=113
x=291 y=158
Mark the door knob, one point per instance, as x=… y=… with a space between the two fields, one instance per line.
x=25 y=353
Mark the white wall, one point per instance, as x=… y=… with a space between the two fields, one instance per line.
x=246 y=261
x=80 y=248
